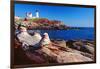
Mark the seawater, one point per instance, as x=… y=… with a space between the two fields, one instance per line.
x=76 y=34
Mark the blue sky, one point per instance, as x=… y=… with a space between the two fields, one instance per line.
x=71 y=16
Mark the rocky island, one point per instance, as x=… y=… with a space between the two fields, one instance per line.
x=42 y=23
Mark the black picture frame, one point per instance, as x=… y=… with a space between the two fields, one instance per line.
x=45 y=3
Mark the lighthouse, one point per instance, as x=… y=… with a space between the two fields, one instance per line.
x=29 y=15
x=37 y=14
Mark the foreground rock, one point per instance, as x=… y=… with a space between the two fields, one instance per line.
x=64 y=56
x=84 y=46
x=58 y=52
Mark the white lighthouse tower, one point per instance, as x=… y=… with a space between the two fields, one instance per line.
x=37 y=14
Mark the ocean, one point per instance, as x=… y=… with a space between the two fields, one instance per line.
x=71 y=34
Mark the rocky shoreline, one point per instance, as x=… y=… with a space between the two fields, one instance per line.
x=61 y=51
x=85 y=47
